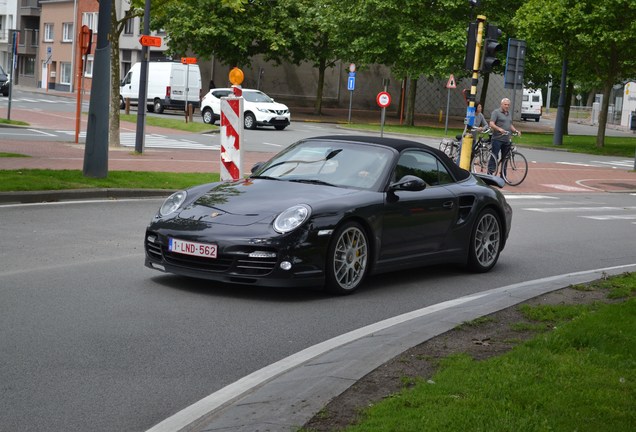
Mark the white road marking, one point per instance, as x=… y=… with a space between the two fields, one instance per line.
x=567 y=188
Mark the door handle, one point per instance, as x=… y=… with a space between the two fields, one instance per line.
x=448 y=205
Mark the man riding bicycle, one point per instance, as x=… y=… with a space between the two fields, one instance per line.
x=501 y=125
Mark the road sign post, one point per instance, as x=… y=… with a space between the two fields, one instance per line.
x=187 y=61
x=384 y=100
x=351 y=85
x=449 y=85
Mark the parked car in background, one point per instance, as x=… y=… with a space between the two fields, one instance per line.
x=4 y=83
x=329 y=211
x=258 y=109
x=170 y=84
x=531 y=105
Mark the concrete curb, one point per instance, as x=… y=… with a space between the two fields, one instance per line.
x=79 y=194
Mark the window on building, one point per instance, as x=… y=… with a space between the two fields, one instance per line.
x=88 y=66
x=29 y=66
x=65 y=73
x=48 y=32
x=90 y=19
x=129 y=27
x=67 y=32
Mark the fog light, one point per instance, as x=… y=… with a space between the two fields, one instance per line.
x=285 y=265
x=158 y=266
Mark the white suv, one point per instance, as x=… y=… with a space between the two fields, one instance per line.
x=258 y=108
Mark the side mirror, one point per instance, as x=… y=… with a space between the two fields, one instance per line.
x=409 y=183
x=256 y=167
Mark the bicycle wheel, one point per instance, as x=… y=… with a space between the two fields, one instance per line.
x=515 y=168
x=484 y=162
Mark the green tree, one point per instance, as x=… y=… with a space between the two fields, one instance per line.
x=598 y=39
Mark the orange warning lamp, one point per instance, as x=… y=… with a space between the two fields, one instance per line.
x=236 y=76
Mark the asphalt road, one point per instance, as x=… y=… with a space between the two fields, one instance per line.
x=92 y=340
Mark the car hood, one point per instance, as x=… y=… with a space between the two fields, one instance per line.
x=250 y=201
x=275 y=106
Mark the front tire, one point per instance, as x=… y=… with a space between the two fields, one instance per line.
x=347 y=259
x=280 y=127
x=515 y=169
x=485 y=242
x=249 y=121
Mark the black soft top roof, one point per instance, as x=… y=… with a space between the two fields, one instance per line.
x=399 y=145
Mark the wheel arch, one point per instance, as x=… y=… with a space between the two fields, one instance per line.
x=368 y=230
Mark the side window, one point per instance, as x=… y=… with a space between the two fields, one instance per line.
x=423 y=165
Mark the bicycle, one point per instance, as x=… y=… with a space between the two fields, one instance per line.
x=451 y=147
x=512 y=167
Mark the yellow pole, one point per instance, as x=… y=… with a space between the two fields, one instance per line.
x=467 y=141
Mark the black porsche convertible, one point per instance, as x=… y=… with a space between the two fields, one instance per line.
x=329 y=211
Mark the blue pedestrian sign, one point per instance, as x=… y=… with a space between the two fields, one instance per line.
x=351 y=82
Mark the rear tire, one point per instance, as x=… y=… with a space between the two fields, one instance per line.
x=485 y=242
x=158 y=106
x=347 y=259
x=208 y=116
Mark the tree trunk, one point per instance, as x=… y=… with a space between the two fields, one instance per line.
x=113 y=129
x=568 y=104
x=321 y=82
x=410 y=103
x=602 y=117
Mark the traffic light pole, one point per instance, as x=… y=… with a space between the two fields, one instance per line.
x=467 y=140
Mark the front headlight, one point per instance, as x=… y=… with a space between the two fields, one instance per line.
x=292 y=218
x=172 y=203
x=265 y=110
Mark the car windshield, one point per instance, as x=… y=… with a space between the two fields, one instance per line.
x=256 y=96
x=330 y=162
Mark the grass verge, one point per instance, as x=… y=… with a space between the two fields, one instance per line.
x=41 y=179
x=13 y=122
x=580 y=375
x=169 y=123
x=614 y=146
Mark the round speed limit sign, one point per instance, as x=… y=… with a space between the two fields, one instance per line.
x=383 y=99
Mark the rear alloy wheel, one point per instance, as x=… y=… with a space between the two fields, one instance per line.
x=208 y=116
x=485 y=242
x=158 y=106
x=347 y=259
x=249 y=121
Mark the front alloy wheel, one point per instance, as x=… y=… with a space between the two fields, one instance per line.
x=485 y=242
x=348 y=259
x=249 y=121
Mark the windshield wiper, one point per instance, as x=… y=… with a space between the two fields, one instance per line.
x=265 y=177
x=313 y=181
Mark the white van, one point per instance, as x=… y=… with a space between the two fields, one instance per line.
x=531 y=104
x=169 y=84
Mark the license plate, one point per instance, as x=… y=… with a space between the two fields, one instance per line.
x=192 y=248
x=281 y=118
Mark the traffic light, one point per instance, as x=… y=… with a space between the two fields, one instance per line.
x=471 y=41
x=491 y=48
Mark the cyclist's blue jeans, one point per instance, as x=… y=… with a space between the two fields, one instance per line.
x=504 y=147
